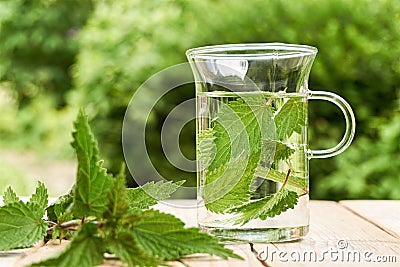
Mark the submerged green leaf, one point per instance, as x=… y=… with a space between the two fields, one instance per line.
x=240 y=134
x=267 y=207
x=293 y=183
x=230 y=186
x=206 y=147
x=282 y=151
x=246 y=147
x=290 y=118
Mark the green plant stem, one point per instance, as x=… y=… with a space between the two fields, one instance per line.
x=286 y=179
x=70 y=226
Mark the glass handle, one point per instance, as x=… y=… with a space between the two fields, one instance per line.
x=350 y=124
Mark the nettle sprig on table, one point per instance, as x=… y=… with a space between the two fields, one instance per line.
x=100 y=215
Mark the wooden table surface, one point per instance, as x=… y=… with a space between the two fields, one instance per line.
x=345 y=233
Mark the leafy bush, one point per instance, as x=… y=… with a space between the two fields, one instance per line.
x=123 y=43
x=370 y=169
x=37 y=49
x=38 y=46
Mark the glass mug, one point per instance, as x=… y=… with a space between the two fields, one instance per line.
x=251 y=139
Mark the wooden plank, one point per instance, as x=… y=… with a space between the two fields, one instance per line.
x=52 y=248
x=19 y=258
x=383 y=213
x=40 y=253
x=337 y=237
x=10 y=258
x=242 y=249
x=181 y=209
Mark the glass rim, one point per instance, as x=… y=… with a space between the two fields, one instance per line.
x=264 y=50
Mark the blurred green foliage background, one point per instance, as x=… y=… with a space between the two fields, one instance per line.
x=57 y=55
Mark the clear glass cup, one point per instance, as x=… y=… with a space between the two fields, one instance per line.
x=251 y=139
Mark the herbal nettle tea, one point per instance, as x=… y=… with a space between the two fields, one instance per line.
x=252 y=164
x=251 y=139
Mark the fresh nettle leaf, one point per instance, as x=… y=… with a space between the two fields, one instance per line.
x=60 y=207
x=9 y=196
x=164 y=236
x=106 y=215
x=156 y=221
x=85 y=250
x=150 y=193
x=148 y=236
x=290 y=118
x=60 y=212
x=21 y=225
x=118 y=203
x=124 y=246
x=93 y=182
x=40 y=197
